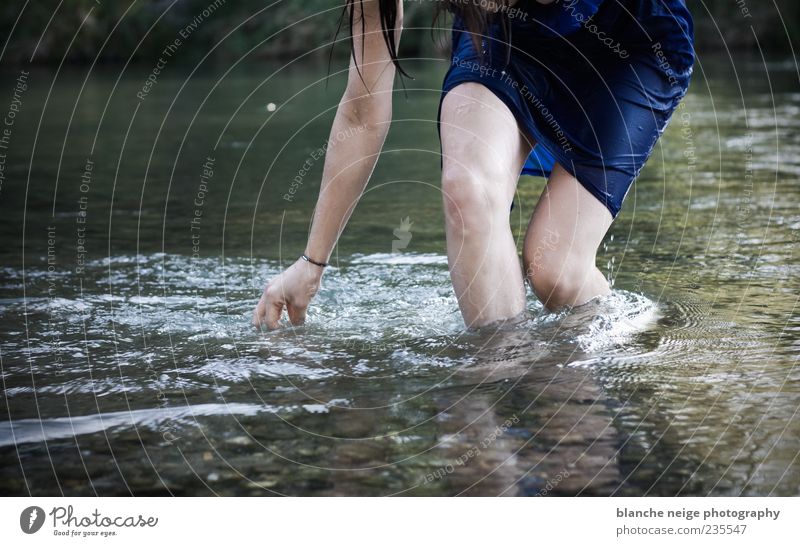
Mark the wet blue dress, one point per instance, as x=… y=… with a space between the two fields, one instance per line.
x=592 y=82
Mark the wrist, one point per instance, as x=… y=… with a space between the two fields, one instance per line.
x=310 y=270
x=319 y=263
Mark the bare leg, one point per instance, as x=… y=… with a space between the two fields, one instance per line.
x=561 y=243
x=484 y=152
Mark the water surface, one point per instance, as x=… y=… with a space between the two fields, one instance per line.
x=130 y=270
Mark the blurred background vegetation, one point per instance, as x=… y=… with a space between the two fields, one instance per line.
x=287 y=28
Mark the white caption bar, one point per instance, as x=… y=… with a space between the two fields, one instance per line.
x=401 y=521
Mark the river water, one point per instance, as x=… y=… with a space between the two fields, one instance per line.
x=138 y=228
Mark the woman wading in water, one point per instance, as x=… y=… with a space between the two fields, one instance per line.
x=575 y=90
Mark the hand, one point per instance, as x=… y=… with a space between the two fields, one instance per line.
x=293 y=290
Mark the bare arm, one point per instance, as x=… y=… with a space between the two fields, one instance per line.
x=359 y=130
x=357 y=136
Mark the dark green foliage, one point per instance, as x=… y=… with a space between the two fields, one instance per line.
x=288 y=28
x=746 y=24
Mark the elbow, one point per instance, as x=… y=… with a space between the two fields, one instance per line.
x=371 y=112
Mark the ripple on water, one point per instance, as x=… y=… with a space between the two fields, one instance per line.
x=384 y=338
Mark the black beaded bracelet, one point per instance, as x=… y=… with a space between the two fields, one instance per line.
x=321 y=264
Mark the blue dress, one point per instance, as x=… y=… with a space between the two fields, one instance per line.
x=592 y=82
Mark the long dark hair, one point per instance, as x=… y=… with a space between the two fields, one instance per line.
x=475 y=14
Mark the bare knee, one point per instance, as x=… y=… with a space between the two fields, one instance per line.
x=556 y=287
x=560 y=277
x=473 y=199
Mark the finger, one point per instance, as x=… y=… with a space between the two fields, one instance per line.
x=259 y=311
x=297 y=314
x=274 y=309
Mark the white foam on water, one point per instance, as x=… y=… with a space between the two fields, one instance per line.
x=401 y=258
x=616 y=319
